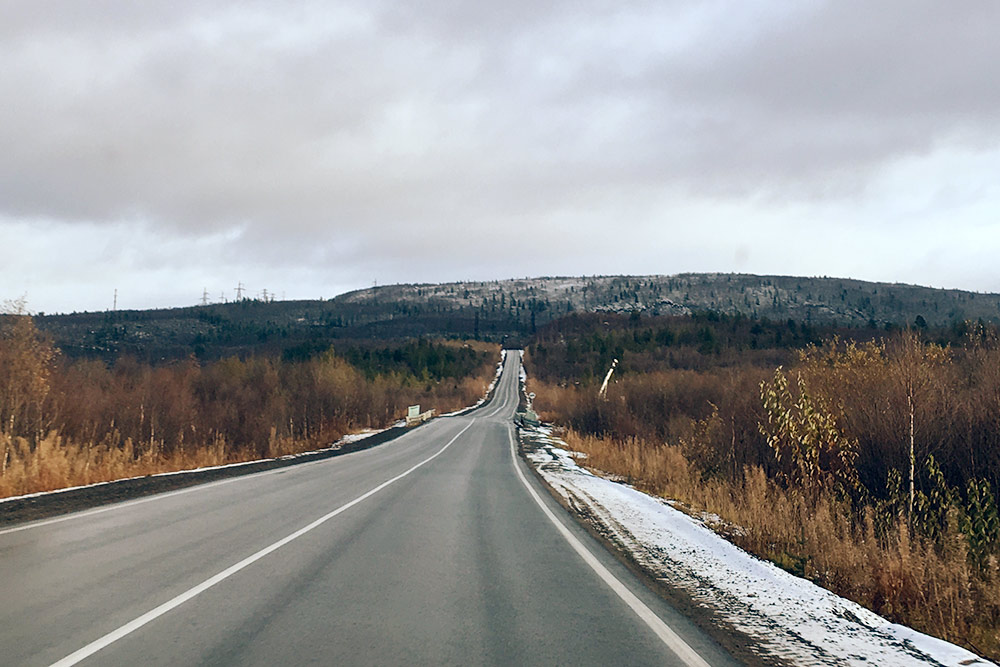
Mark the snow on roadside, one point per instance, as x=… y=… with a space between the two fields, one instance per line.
x=489 y=389
x=790 y=618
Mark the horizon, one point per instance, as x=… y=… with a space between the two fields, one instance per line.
x=312 y=149
x=274 y=299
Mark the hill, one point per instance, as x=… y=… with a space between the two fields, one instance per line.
x=499 y=310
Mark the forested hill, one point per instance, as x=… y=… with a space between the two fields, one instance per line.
x=822 y=300
x=495 y=310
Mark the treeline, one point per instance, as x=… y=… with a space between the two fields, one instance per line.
x=805 y=439
x=65 y=421
x=582 y=346
x=419 y=359
x=290 y=329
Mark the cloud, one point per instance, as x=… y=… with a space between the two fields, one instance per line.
x=315 y=134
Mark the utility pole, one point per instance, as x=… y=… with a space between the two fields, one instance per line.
x=239 y=291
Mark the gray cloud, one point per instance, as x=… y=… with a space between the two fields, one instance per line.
x=356 y=135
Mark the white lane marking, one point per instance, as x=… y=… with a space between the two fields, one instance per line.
x=499 y=390
x=130 y=627
x=503 y=405
x=157 y=496
x=130 y=503
x=498 y=410
x=662 y=630
x=161 y=496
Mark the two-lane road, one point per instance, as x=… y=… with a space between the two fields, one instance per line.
x=436 y=548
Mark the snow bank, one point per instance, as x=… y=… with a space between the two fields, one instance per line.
x=790 y=618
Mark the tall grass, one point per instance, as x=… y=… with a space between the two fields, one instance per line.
x=930 y=585
x=65 y=424
x=809 y=467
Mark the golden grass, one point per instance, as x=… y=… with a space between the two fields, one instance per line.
x=902 y=577
x=54 y=461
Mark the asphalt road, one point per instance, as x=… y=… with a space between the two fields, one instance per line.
x=436 y=548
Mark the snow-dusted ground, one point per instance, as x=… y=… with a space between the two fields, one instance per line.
x=790 y=618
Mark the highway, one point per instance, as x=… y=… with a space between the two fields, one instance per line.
x=437 y=548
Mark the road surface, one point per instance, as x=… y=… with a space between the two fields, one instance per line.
x=439 y=547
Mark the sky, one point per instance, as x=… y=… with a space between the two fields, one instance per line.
x=162 y=149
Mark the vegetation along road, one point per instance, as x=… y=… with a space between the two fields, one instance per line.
x=439 y=547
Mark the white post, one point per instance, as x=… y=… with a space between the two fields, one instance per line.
x=604 y=385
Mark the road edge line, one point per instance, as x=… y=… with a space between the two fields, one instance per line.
x=130 y=627
x=663 y=631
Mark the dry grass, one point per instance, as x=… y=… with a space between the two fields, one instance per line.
x=69 y=424
x=56 y=462
x=903 y=577
x=813 y=462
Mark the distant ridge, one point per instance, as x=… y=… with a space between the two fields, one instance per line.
x=495 y=309
x=841 y=301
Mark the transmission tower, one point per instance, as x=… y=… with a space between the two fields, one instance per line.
x=239 y=291
x=204 y=297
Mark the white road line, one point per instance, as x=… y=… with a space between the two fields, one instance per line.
x=156 y=496
x=662 y=630
x=130 y=627
x=503 y=406
x=160 y=496
x=498 y=410
x=130 y=503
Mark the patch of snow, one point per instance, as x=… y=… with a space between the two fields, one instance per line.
x=354 y=437
x=489 y=389
x=790 y=618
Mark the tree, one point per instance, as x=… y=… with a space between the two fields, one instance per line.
x=803 y=432
x=912 y=364
x=26 y=359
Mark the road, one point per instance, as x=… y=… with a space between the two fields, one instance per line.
x=438 y=547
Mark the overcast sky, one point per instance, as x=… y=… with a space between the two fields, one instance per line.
x=309 y=148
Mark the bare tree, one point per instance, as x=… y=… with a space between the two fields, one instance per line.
x=913 y=364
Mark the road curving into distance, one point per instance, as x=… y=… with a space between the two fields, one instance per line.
x=438 y=547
